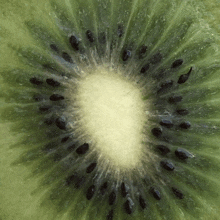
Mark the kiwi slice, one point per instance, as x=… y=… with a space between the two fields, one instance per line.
x=109 y=110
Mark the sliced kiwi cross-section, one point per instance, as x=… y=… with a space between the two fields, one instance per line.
x=109 y=110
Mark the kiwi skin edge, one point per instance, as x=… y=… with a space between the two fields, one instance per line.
x=17 y=201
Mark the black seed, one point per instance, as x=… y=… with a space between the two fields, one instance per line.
x=126 y=54
x=82 y=149
x=175 y=99
x=128 y=205
x=145 y=68
x=91 y=167
x=163 y=149
x=102 y=38
x=45 y=108
x=103 y=188
x=120 y=30
x=182 y=112
x=76 y=180
x=156 y=58
x=90 y=192
x=185 y=125
x=36 y=81
x=110 y=215
x=177 y=193
x=166 y=85
x=65 y=139
x=112 y=198
x=182 y=154
x=61 y=123
x=142 y=51
x=67 y=57
x=124 y=190
x=142 y=202
x=38 y=97
x=52 y=82
x=71 y=147
x=155 y=193
x=56 y=97
x=167 y=165
x=157 y=132
x=74 y=42
x=54 y=47
x=183 y=78
x=90 y=36
x=177 y=63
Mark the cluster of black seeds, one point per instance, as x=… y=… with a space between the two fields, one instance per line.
x=76 y=179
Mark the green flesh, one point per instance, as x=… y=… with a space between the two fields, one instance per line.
x=32 y=184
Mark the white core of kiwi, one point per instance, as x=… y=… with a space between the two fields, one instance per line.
x=112 y=115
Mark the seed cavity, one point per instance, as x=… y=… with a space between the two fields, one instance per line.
x=182 y=112
x=167 y=165
x=61 y=123
x=175 y=99
x=54 y=48
x=142 y=51
x=185 y=125
x=177 y=63
x=110 y=215
x=52 y=82
x=67 y=57
x=74 y=42
x=126 y=54
x=142 y=202
x=183 y=78
x=49 y=67
x=124 y=190
x=102 y=38
x=166 y=123
x=49 y=121
x=56 y=97
x=112 y=198
x=156 y=194
x=71 y=147
x=156 y=58
x=38 y=97
x=145 y=68
x=164 y=86
x=177 y=193
x=90 y=36
x=45 y=108
x=182 y=154
x=82 y=149
x=36 y=81
x=50 y=147
x=103 y=188
x=57 y=157
x=65 y=139
x=128 y=205
x=75 y=180
x=120 y=30
x=91 y=167
x=90 y=192
x=163 y=149
x=157 y=132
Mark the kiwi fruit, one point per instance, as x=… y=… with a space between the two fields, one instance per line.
x=109 y=110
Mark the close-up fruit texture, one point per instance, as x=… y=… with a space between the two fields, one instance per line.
x=109 y=110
